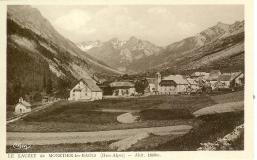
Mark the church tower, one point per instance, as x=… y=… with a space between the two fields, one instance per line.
x=159 y=78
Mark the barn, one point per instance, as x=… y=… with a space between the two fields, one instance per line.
x=22 y=107
x=86 y=89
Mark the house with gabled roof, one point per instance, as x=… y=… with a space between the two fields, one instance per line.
x=123 y=88
x=22 y=107
x=173 y=84
x=86 y=89
x=230 y=80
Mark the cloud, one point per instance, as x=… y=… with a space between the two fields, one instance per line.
x=115 y=21
x=73 y=20
x=159 y=24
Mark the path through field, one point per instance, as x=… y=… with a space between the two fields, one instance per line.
x=16 y=118
x=85 y=137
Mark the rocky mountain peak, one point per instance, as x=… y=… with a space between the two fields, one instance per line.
x=86 y=45
x=133 y=39
x=223 y=26
x=116 y=43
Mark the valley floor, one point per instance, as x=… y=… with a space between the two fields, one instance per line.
x=154 y=111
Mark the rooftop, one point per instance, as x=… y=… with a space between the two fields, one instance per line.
x=91 y=84
x=178 y=79
x=122 y=84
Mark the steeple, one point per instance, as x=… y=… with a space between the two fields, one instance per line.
x=159 y=78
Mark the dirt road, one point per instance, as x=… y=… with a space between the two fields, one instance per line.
x=85 y=137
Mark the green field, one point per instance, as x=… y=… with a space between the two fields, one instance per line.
x=85 y=116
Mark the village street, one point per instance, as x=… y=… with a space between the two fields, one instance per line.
x=30 y=138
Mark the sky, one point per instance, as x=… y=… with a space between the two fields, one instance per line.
x=161 y=25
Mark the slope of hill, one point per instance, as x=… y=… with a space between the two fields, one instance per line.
x=219 y=47
x=40 y=59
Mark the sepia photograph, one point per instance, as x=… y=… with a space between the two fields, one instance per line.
x=119 y=78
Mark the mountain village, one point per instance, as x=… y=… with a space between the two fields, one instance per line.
x=197 y=83
x=122 y=95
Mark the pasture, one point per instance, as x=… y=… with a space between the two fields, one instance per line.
x=154 y=111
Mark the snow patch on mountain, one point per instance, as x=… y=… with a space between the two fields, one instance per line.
x=85 y=46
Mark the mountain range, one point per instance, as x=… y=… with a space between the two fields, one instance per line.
x=120 y=54
x=218 y=47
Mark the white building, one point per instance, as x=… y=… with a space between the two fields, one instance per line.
x=86 y=89
x=173 y=84
x=22 y=107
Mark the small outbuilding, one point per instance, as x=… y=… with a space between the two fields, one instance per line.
x=22 y=107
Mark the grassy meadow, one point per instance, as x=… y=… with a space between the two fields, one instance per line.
x=153 y=110
x=85 y=116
